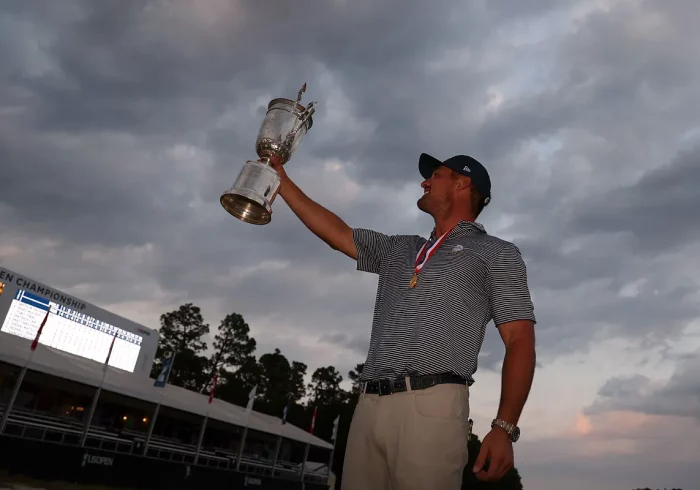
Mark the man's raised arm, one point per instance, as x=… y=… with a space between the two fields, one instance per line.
x=323 y=223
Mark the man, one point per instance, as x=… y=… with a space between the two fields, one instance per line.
x=434 y=299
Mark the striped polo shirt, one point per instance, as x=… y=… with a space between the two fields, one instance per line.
x=439 y=325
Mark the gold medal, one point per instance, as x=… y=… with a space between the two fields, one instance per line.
x=414 y=281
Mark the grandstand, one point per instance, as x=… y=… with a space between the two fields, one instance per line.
x=50 y=409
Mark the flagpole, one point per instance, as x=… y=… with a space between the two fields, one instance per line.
x=150 y=427
x=249 y=408
x=96 y=396
x=279 y=441
x=336 y=422
x=15 y=391
x=206 y=419
x=277 y=453
x=20 y=378
x=306 y=458
x=157 y=409
x=201 y=437
x=308 y=444
x=240 y=449
x=330 y=463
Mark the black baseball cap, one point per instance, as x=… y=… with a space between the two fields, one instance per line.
x=462 y=164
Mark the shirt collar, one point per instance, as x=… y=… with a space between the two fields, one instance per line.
x=463 y=228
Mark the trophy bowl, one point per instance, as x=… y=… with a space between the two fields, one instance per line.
x=285 y=125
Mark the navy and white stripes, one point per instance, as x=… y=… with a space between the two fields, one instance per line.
x=439 y=325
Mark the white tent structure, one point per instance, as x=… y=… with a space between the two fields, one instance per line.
x=15 y=350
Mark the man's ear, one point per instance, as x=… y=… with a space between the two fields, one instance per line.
x=463 y=182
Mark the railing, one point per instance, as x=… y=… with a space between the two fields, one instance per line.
x=33 y=425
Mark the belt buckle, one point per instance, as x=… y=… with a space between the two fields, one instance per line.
x=386 y=387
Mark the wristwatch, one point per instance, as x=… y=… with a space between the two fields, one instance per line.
x=512 y=429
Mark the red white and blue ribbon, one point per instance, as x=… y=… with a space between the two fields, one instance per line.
x=424 y=255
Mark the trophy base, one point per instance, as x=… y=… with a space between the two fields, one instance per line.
x=250 y=199
x=246 y=208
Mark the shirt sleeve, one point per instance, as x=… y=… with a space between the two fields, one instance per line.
x=508 y=288
x=372 y=247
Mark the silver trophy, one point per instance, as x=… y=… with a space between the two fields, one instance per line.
x=286 y=122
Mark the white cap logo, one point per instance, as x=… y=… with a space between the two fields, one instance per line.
x=466 y=169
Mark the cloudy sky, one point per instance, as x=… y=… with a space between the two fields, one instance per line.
x=122 y=122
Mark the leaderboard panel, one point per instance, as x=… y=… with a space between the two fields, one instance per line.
x=71 y=331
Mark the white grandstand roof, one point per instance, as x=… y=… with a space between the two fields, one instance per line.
x=15 y=350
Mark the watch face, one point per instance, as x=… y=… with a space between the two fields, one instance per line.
x=516 y=434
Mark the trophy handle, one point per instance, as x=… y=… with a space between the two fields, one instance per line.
x=301 y=91
x=310 y=109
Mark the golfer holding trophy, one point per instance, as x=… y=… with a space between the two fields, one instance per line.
x=434 y=300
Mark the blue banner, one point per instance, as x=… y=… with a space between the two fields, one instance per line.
x=162 y=378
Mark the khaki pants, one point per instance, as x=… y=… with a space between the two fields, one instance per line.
x=414 y=440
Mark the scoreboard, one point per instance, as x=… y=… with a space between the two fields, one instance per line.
x=73 y=326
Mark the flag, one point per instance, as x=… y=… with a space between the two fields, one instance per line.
x=285 y=410
x=35 y=342
x=211 y=392
x=109 y=354
x=251 y=399
x=165 y=369
x=335 y=428
x=313 y=419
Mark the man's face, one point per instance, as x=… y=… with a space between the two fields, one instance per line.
x=438 y=191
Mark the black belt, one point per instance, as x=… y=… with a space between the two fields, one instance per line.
x=387 y=386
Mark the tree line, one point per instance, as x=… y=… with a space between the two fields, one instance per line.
x=280 y=383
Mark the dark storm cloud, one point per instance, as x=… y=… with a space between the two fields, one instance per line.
x=659 y=212
x=79 y=190
x=151 y=66
x=122 y=68
x=624 y=235
x=679 y=396
x=359 y=345
x=616 y=97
